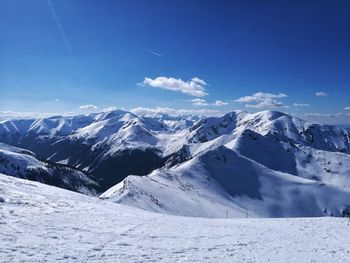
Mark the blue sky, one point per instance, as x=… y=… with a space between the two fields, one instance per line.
x=206 y=56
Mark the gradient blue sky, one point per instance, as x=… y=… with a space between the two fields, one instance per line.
x=58 y=55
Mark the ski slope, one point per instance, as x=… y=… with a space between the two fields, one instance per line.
x=41 y=223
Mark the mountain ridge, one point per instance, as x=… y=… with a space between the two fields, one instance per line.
x=25 y=164
x=112 y=146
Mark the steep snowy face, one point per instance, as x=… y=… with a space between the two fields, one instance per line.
x=53 y=126
x=211 y=128
x=106 y=124
x=329 y=138
x=118 y=132
x=221 y=181
x=282 y=126
x=237 y=121
x=172 y=123
x=289 y=129
x=11 y=131
x=25 y=164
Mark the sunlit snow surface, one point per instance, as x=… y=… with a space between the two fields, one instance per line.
x=40 y=223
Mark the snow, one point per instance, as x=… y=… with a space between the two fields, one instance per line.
x=15 y=126
x=20 y=158
x=304 y=161
x=40 y=223
x=219 y=171
x=22 y=163
x=169 y=133
x=117 y=130
x=219 y=182
x=285 y=157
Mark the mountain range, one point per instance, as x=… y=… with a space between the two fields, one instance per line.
x=264 y=164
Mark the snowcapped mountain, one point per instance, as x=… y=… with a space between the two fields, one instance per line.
x=220 y=182
x=25 y=164
x=282 y=126
x=265 y=164
x=109 y=145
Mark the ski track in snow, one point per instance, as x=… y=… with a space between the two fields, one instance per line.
x=40 y=223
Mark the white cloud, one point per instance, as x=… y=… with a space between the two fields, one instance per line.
x=8 y=115
x=219 y=103
x=347 y=108
x=174 y=112
x=338 y=114
x=194 y=87
x=321 y=94
x=57 y=99
x=199 y=102
x=112 y=108
x=263 y=100
x=301 y=104
x=88 y=107
x=202 y=102
x=339 y=118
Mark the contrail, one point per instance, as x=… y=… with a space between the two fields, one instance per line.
x=60 y=28
x=153 y=52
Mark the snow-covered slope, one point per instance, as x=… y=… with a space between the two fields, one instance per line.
x=220 y=182
x=282 y=126
x=112 y=145
x=109 y=145
x=41 y=223
x=295 y=159
x=25 y=164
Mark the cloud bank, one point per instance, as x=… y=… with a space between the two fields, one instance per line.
x=8 y=115
x=301 y=104
x=338 y=114
x=321 y=94
x=219 y=103
x=88 y=107
x=194 y=87
x=199 y=102
x=202 y=102
x=112 y=108
x=262 y=100
x=173 y=112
